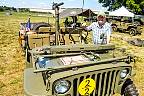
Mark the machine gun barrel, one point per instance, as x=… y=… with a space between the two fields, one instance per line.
x=60 y=4
x=56 y=5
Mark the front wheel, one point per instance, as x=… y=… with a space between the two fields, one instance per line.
x=114 y=28
x=131 y=90
x=132 y=31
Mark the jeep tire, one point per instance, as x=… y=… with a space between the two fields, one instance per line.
x=132 y=31
x=131 y=90
x=114 y=28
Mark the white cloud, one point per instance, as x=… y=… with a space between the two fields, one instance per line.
x=63 y=0
x=2 y=3
x=70 y=0
x=42 y=3
x=23 y=2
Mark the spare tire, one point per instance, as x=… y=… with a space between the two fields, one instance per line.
x=42 y=24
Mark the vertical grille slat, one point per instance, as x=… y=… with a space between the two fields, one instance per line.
x=105 y=82
x=95 y=91
x=72 y=91
x=94 y=77
x=78 y=82
x=81 y=79
x=104 y=86
x=99 y=87
x=102 y=83
x=113 y=80
x=109 y=82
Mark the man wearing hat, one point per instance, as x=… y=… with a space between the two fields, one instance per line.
x=101 y=29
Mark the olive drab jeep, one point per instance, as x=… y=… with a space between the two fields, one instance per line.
x=75 y=69
x=123 y=24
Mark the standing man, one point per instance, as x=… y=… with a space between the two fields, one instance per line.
x=101 y=29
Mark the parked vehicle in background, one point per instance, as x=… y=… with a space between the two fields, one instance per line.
x=139 y=19
x=125 y=24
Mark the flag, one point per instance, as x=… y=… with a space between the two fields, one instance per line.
x=28 y=26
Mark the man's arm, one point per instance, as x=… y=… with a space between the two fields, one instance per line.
x=88 y=28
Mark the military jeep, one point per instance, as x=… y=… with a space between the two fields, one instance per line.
x=73 y=70
x=76 y=69
x=125 y=25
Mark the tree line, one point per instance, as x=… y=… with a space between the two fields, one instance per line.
x=135 y=6
x=5 y=8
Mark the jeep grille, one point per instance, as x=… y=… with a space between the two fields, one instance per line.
x=105 y=82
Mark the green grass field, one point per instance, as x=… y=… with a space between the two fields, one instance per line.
x=11 y=55
x=12 y=59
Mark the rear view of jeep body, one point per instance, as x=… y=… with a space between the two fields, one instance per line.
x=78 y=70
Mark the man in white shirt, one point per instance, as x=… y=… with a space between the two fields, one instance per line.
x=101 y=29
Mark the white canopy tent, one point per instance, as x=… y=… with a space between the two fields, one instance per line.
x=121 y=12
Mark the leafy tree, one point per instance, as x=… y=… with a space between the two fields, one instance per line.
x=1 y=9
x=5 y=8
x=136 y=6
x=14 y=9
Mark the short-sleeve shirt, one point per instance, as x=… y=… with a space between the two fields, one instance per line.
x=100 y=34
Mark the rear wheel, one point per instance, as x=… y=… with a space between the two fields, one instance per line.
x=132 y=31
x=131 y=90
x=114 y=28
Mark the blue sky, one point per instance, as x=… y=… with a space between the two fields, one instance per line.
x=92 y=4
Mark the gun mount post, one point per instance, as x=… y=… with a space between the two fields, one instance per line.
x=56 y=8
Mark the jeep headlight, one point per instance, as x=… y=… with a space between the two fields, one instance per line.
x=61 y=86
x=123 y=73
